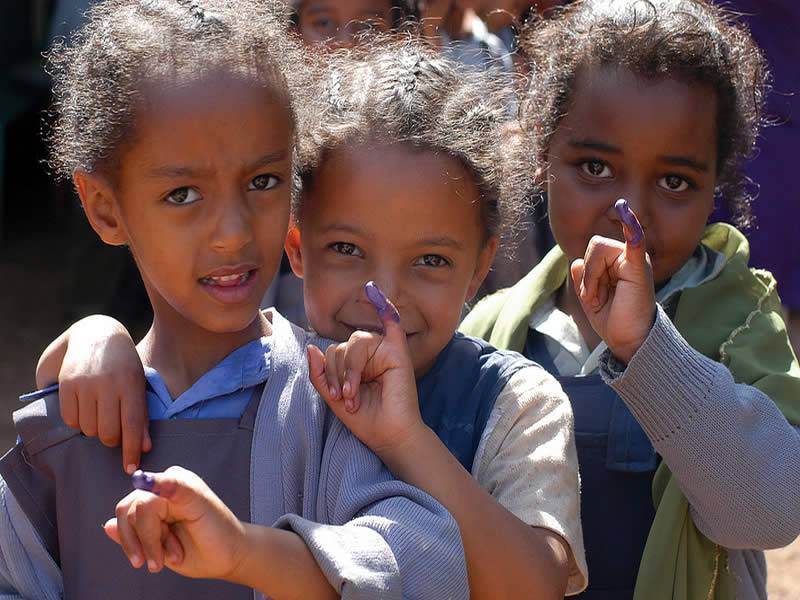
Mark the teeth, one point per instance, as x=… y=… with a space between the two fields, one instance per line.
x=227 y=280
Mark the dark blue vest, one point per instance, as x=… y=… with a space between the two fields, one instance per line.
x=617 y=463
x=457 y=395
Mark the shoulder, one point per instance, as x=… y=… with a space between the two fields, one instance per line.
x=482 y=317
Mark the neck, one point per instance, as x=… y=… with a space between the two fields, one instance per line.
x=182 y=351
x=567 y=301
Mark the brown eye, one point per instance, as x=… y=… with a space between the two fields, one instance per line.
x=263 y=182
x=346 y=248
x=183 y=195
x=674 y=183
x=596 y=168
x=432 y=260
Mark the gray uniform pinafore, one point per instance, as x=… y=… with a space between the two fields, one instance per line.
x=68 y=486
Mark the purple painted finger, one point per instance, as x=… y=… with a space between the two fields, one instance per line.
x=627 y=216
x=381 y=304
x=143 y=480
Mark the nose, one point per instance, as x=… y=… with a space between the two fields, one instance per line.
x=232 y=226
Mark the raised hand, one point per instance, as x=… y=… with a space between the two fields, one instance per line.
x=368 y=381
x=614 y=282
x=173 y=519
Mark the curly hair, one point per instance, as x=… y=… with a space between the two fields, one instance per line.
x=405 y=13
x=400 y=90
x=691 y=40
x=100 y=75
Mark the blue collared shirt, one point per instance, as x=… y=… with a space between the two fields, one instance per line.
x=222 y=393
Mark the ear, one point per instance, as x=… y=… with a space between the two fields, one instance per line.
x=97 y=199
x=482 y=266
x=293 y=250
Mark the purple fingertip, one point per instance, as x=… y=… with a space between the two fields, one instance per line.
x=628 y=218
x=142 y=480
x=379 y=301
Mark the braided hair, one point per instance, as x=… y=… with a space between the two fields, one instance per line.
x=690 y=40
x=100 y=74
x=398 y=90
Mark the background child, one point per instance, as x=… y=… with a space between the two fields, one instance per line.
x=405 y=182
x=658 y=103
x=177 y=122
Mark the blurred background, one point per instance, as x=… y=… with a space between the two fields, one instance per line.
x=54 y=270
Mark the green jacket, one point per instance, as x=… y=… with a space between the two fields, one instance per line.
x=735 y=319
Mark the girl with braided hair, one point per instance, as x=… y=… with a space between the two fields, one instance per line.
x=410 y=178
x=673 y=351
x=177 y=121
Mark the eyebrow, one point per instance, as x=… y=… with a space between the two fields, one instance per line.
x=180 y=171
x=678 y=161
x=685 y=161
x=591 y=144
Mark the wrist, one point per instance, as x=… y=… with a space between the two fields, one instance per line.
x=625 y=352
x=248 y=540
x=406 y=448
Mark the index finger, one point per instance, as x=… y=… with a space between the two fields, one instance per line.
x=133 y=415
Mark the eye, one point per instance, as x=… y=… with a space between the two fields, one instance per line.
x=596 y=168
x=325 y=25
x=183 y=195
x=263 y=182
x=346 y=249
x=674 y=183
x=432 y=260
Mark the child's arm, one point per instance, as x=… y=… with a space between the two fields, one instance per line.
x=505 y=556
x=735 y=456
x=101 y=384
x=26 y=568
x=175 y=520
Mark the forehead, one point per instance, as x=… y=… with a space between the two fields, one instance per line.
x=346 y=7
x=624 y=109
x=213 y=121
x=382 y=185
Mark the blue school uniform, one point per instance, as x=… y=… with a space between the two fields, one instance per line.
x=617 y=463
x=458 y=394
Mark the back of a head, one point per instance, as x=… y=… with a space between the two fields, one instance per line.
x=687 y=40
x=101 y=73
x=403 y=91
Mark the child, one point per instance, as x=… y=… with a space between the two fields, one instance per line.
x=176 y=121
x=339 y=23
x=404 y=183
x=688 y=446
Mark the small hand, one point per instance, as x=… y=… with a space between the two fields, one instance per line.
x=102 y=387
x=368 y=381
x=173 y=519
x=614 y=283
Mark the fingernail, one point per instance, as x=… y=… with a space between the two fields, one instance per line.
x=143 y=480
x=172 y=557
x=347 y=389
x=136 y=561
x=379 y=301
x=628 y=218
x=333 y=392
x=348 y=405
x=152 y=566
x=130 y=469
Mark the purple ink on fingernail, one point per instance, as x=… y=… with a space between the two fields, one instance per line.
x=379 y=301
x=626 y=216
x=142 y=480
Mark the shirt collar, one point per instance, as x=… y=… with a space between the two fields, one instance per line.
x=245 y=367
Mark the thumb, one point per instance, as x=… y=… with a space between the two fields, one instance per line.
x=576 y=271
x=633 y=232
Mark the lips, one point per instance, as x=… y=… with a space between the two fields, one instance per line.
x=231 y=285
